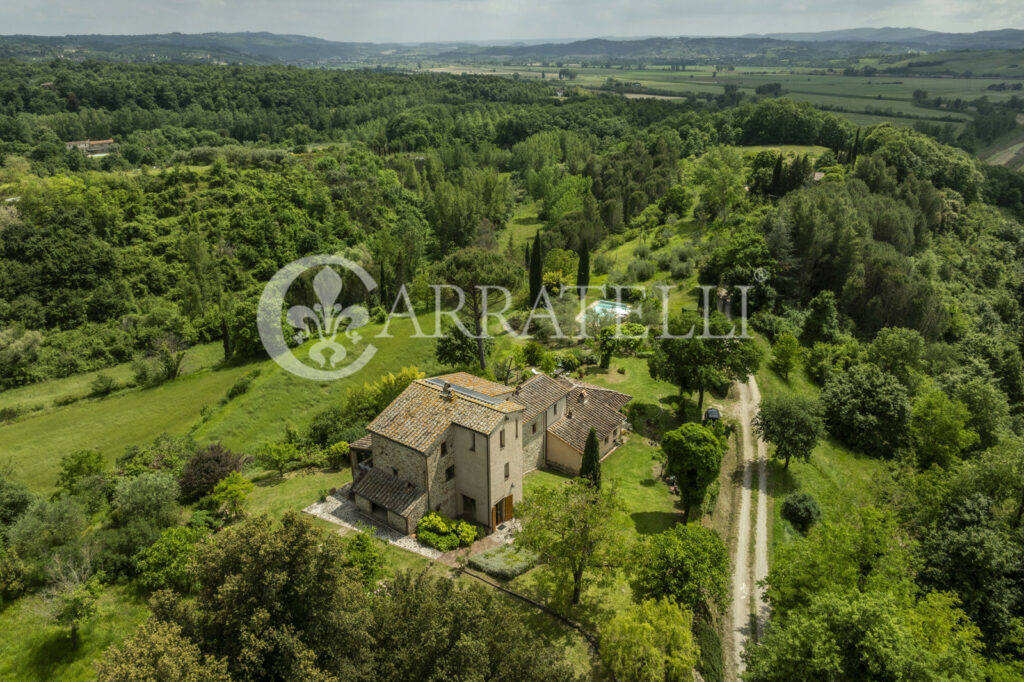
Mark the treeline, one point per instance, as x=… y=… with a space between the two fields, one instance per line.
x=897 y=291
x=99 y=268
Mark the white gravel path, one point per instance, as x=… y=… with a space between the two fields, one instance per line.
x=745 y=577
x=340 y=510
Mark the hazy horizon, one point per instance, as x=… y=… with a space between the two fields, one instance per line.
x=417 y=21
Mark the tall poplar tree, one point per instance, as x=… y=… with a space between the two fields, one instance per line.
x=583 y=273
x=536 y=270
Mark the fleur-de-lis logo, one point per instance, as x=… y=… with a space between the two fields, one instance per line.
x=325 y=319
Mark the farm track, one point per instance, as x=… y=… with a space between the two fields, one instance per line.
x=748 y=610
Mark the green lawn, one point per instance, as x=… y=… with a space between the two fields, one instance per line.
x=43 y=395
x=837 y=477
x=34 y=443
x=31 y=648
x=274 y=495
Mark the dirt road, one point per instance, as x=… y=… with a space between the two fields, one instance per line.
x=749 y=613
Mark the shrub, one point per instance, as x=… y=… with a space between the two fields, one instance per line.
x=444 y=543
x=440 y=532
x=640 y=270
x=76 y=466
x=435 y=523
x=533 y=353
x=15 y=500
x=569 y=361
x=204 y=520
x=801 y=510
x=336 y=456
x=12 y=575
x=241 y=386
x=206 y=469
x=151 y=497
x=505 y=562
x=602 y=264
x=466 y=532
x=681 y=269
x=162 y=565
x=364 y=553
x=710 y=665
x=9 y=413
x=643 y=252
x=102 y=385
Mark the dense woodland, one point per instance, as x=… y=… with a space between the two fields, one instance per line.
x=896 y=277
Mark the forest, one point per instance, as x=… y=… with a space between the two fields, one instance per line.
x=890 y=318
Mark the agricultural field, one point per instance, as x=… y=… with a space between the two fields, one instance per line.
x=863 y=100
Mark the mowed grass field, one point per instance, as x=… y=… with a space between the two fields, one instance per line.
x=837 y=477
x=34 y=443
x=32 y=649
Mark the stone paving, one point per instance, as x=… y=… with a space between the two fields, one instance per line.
x=340 y=510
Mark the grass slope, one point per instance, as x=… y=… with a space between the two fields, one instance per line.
x=837 y=477
x=33 y=649
x=35 y=442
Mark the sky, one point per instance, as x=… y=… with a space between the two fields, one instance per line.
x=450 y=20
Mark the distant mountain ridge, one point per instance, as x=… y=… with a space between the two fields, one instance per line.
x=1002 y=39
x=272 y=48
x=887 y=34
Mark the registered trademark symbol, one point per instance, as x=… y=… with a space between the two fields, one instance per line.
x=761 y=275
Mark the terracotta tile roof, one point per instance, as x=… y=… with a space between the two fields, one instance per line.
x=539 y=393
x=365 y=443
x=419 y=416
x=582 y=413
x=387 y=491
x=477 y=384
x=612 y=399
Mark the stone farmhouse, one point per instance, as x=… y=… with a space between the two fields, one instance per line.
x=460 y=445
x=92 y=147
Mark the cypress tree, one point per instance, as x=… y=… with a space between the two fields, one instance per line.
x=590 y=469
x=776 y=188
x=536 y=270
x=583 y=273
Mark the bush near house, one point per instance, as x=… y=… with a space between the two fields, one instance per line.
x=438 y=531
x=505 y=562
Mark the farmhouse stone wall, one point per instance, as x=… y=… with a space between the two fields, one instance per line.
x=441 y=492
x=533 y=445
x=404 y=463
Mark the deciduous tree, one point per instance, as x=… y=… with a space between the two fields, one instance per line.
x=650 y=642
x=571 y=527
x=790 y=423
x=686 y=563
x=472 y=268
x=694 y=456
x=698 y=363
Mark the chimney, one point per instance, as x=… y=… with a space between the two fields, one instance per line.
x=582 y=398
x=446 y=391
x=518 y=387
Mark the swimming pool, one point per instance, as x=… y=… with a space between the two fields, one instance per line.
x=605 y=310
x=611 y=308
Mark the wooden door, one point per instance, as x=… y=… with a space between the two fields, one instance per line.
x=508 y=507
